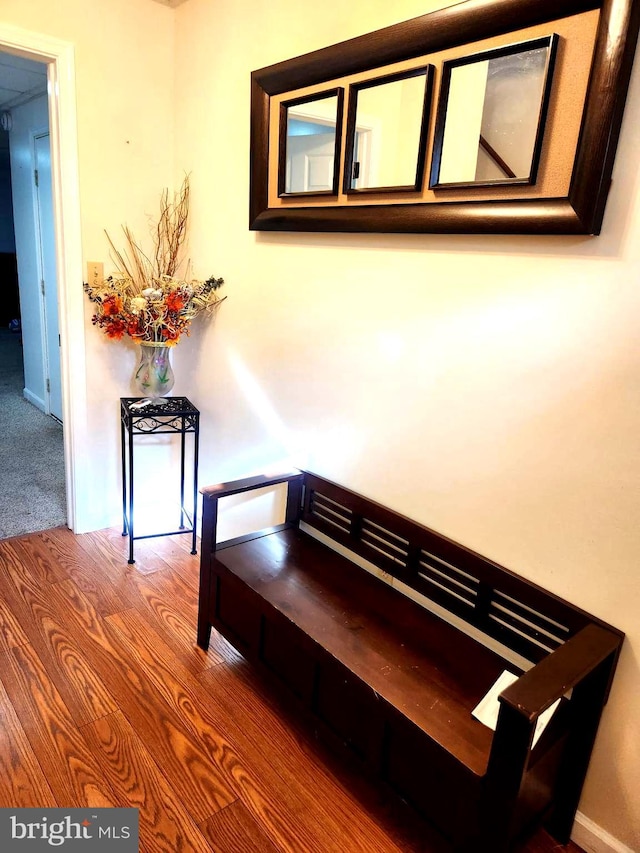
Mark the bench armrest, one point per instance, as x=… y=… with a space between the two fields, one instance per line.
x=537 y=689
x=585 y=663
x=236 y=487
x=209 y=544
x=212 y=494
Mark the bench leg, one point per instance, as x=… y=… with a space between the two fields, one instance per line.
x=207 y=556
x=204 y=634
x=204 y=602
x=505 y=774
x=587 y=702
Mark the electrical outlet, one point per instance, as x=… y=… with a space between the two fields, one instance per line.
x=95 y=272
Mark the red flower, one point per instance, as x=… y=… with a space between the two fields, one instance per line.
x=175 y=301
x=115 y=328
x=135 y=327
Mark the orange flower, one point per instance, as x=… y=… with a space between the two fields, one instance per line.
x=112 y=305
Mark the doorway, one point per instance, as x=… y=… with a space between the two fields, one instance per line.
x=58 y=58
x=34 y=495
x=27 y=214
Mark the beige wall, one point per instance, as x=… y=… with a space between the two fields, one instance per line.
x=124 y=55
x=486 y=386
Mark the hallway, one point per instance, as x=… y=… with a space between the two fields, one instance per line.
x=31 y=453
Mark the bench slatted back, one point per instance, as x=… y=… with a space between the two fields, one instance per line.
x=516 y=612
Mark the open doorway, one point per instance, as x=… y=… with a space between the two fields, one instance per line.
x=82 y=489
x=61 y=90
x=34 y=494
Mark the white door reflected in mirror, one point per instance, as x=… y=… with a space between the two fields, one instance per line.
x=386 y=132
x=310 y=134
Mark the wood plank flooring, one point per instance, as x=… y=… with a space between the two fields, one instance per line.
x=105 y=700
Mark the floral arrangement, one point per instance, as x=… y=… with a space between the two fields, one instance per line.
x=147 y=299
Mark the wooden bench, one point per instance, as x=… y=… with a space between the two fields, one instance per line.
x=394 y=682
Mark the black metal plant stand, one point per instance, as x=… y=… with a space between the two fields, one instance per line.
x=168 y=415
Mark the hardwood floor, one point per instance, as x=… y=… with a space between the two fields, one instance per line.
x=105 y=700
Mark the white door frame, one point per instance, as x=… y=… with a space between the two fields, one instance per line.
x=59 y=56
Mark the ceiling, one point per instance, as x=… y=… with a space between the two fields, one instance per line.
x=21 y=80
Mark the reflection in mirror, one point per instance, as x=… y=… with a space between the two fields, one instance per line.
x=386 y=132
x=491 y=115
x=310 y=133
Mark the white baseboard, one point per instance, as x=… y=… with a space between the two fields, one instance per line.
x=593 y=839
x=36 y=401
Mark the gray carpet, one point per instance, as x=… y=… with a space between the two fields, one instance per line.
x=32 y=495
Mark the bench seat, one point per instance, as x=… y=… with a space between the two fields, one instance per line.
x=414 y=660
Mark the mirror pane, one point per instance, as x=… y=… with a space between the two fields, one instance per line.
x=385 y=137
x=490 y=126
x=310 y=134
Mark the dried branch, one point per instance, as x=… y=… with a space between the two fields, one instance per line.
x=169 y=237
x=171 y=230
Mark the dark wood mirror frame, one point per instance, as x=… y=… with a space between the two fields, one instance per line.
x=425 y=71
x=581 y=212
x=338 y=94
x=548 y=42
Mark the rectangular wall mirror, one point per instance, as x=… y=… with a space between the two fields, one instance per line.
x=387 y=132
x=491 y=115
x=537 y=147
x=310 y=137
